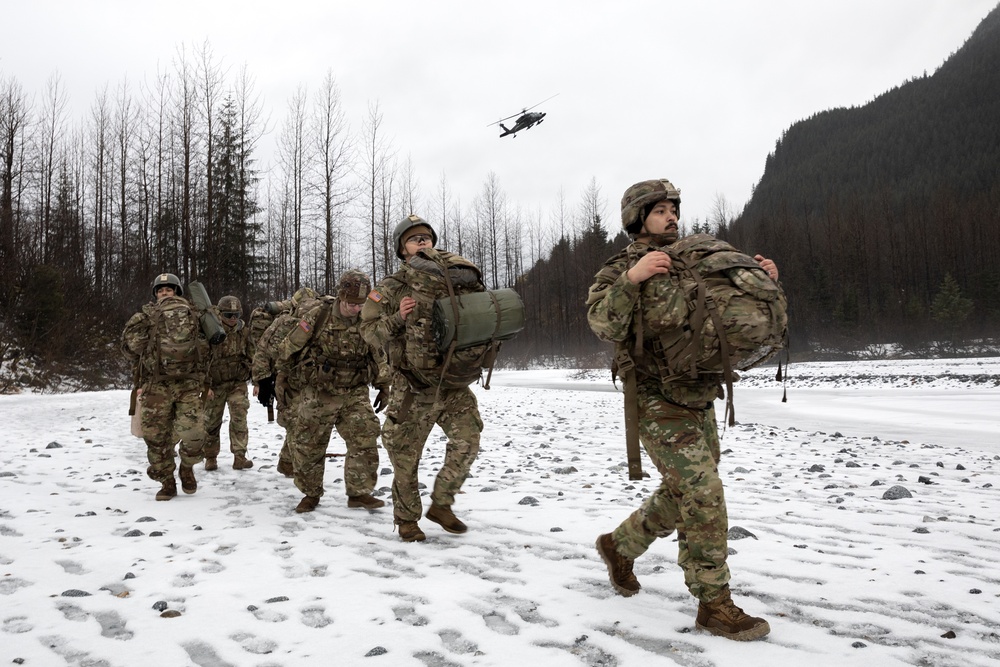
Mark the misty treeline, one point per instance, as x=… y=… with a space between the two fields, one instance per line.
x=167 y=175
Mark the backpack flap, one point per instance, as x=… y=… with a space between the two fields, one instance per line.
x=495 y=315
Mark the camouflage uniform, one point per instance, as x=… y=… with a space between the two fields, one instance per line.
x=334 y=366
x=414 y=408
x=678 y=430
x=171 y=392
x=228 y=372
x=264 y=366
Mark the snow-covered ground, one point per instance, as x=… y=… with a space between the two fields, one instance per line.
x=94 y=572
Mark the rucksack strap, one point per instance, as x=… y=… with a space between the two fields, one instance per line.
x=626 y=368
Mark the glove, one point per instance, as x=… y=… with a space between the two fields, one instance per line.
x=381 y=399
x=265 y=391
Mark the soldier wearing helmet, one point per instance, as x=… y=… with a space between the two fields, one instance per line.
x=414 y=405
x=228 y=372
x=325 y=354
x=675 y=415
x=168 y=351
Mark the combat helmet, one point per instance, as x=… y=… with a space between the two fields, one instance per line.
x=639 y=197
x=302 y=294
x=168 y=280
x=407 y=223
x=230 y=304
x=354 y=287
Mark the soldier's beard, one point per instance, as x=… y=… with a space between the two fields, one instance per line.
x=666 y=238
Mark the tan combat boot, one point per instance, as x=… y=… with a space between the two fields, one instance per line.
x=619 y=567
x=188 y=483
x=285 y=468
x=722 y=617
x=241 y=462
x=409 y=531
x=168 y=490
x=307 y=504
x=365 y=500
x=211 y=463
x=442 y=515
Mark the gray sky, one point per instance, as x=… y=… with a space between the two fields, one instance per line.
x=694 y=91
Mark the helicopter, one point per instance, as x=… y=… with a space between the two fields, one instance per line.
x=526 y=119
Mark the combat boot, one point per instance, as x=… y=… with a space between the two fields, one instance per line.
x=409 y=531
x=722 y=617
x=241 y=462
x=619 y=567
x=365 y=500
x=285 y=468
x=211 y=463
x=188 y=483
x=168 y=490
x=307 y=504
x=442 y=515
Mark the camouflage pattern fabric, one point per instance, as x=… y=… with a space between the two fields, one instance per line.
x=678 y=430
x=326 y=355
x=230 y=361
x=172 y=410
x=317 y=414
x=233 y=394
x=264 y=365
x=286 y=402
x=171 y=407
x=684 y=445
x=405 y=431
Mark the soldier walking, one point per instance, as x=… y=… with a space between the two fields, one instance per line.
x=393 y=318
x=165 y=342
x=228 y=372
x=326 y=355
x=676 y=417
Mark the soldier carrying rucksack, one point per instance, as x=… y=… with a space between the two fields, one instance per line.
x=404 y=314
x=165 y=343
x=677 y=338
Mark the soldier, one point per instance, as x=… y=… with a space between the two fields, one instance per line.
x=326 y=355
x=270 y=382
x=166 y=342
x=676 y=421
x=391 y=320
x=228 y=372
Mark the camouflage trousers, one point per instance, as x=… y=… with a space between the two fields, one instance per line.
x=285 y=398
x=684 y=445
x=317 y=413
x=233 y=394
x=172 y=411
x=405 y=432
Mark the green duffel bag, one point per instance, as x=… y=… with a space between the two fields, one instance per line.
x=477 y=318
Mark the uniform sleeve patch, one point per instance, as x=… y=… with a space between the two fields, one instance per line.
x=375 y=296
x=305 y=326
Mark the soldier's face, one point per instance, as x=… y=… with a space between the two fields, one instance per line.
x=415 y=244
x=350 y=310
x=662 y=219
x=164 y=291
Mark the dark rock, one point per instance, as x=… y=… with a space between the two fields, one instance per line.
x=852 y=464
x=859 y=645
x=921 y=530
x=170 y=613
x=160 y=605
x=129 y=575
x=975 y=591
x=75 y=593
x=737 y=533
x=156 y=533
x=252 y=607
x=960 y=467
x=876 y=483
x=134 y=533
x=280 y=598
x=528 y=500
x=144 y=519
x=817 y=468
x=949 y=635
x=378 y=650
x=53 y=445
x=896 y=493
x=555 y=529
x=565 y=471
x=925 y=480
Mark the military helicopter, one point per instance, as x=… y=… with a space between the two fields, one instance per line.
x=526 y=119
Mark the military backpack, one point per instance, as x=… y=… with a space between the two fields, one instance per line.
x=174 y=350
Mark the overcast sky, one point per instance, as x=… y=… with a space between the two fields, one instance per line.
x=694 y=91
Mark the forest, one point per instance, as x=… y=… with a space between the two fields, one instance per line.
x=884 y=218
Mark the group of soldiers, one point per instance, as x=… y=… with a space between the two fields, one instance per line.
x=319 y=355
x=316 y=357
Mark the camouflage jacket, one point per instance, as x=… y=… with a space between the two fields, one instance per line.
x=330 y=354
x=612 y=304
x=266 y=353
x=230 y=360
x=164 y=341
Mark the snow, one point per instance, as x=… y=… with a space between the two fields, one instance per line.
x=88 y=559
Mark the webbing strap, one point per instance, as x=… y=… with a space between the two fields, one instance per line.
x=626 y=368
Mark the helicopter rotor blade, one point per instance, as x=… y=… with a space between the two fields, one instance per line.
x=522 y=111
x=539 y=104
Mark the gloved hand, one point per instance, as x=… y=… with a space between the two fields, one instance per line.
x=381 y=399
x=265 y=390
